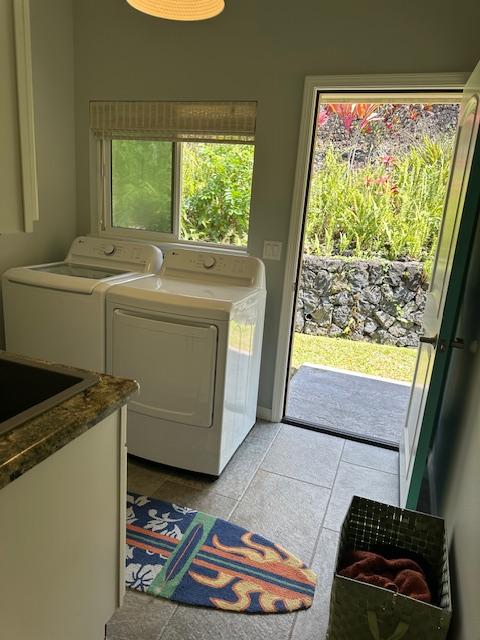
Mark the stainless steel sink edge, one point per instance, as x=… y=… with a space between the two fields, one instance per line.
x=86 y=379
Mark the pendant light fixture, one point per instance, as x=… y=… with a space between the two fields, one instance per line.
x=179 y=9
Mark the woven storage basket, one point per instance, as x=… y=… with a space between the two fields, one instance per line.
x=360 y=611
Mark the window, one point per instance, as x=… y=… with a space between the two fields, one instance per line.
x=142 y=185
x=213 y=180
x=175 y=171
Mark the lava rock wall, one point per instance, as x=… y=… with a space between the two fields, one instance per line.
x=371 y=300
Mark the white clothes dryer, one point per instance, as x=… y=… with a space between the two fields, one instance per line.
x=56 y=311
x=192 y=338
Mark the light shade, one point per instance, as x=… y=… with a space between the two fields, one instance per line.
x=180 y=9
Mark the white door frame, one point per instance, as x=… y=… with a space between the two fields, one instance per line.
x=314 y=85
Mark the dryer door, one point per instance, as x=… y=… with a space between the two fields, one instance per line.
x=174 y=364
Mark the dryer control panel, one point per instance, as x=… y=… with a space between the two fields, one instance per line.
x=236 y=270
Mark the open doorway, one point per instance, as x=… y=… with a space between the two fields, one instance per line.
x=378 y=177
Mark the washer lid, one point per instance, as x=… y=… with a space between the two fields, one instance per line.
x=198 y=299
x=66 y=277
x=80 y=271
x=91 y=262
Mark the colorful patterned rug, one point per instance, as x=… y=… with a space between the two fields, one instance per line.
x=188 y=556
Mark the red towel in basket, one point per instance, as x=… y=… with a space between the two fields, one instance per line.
x=400 y=575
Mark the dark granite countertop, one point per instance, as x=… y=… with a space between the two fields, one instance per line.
x=35 y=440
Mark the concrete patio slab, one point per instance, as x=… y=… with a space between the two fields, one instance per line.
x=362 y=405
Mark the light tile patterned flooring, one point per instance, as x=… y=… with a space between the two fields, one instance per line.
x=289 y=484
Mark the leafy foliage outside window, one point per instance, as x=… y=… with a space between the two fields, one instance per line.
x=216 y=189
x=390 y=210
x=216 y=192
x=379 y=180
x=142 y=185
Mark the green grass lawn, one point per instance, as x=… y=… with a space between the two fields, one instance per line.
x=397 y=363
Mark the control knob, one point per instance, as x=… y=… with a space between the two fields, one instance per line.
x=109 y=249
x=209 y=262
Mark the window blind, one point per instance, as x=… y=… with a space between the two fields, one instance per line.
x=174 y=121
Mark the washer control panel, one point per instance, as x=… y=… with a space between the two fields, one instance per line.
x=117 y=254
x=199 y=265
x=109 y=250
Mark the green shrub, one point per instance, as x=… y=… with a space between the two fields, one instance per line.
x=390 y=209
x=216 y=192
x=142 y=185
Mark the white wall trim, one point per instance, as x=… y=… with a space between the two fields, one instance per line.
x=314 y=85
x=23 y=52
x=264 y=414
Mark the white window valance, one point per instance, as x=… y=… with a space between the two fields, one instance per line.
x=174 y=121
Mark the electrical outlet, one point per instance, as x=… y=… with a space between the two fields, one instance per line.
x=272 y=250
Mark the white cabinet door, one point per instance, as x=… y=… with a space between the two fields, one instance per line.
x=174 y=363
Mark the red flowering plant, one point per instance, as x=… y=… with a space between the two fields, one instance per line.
x=349 y=113
x=387 y=160
x=383 y=180
x=357 y=119
x=361 y=116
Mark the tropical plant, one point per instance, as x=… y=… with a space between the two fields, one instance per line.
x=361 y=113
x=142 y=185
x=217 y=183
x=390 y=209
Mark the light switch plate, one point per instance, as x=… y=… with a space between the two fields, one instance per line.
x=272 y=250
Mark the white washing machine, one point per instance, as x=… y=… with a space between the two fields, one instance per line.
x=56 y=311
x=192 y=337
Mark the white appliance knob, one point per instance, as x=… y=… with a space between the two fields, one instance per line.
x=209 y=262
x=109 y=250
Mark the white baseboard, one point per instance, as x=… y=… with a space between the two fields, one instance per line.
x=264 y=414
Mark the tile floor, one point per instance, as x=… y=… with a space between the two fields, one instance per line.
x=287 y=483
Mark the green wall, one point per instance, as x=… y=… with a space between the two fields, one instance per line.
x=260 y=50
